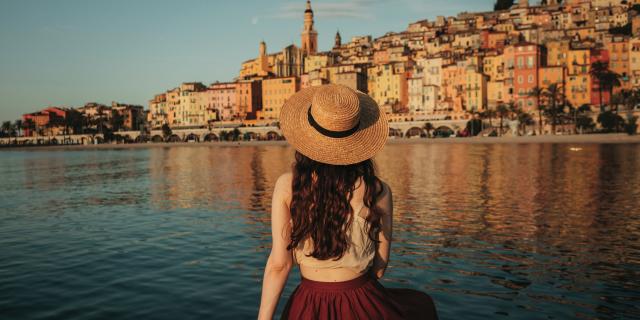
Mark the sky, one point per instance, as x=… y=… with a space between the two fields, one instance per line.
x=69 y=52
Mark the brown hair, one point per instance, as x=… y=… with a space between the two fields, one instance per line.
x=321 y=208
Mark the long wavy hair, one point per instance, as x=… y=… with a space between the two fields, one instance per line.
x=321 y=204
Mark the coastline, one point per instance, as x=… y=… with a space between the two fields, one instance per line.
x=557 y=139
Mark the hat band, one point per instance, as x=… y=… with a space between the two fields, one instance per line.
x=329 y=133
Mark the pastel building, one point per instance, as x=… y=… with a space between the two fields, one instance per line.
x=527 y=63
x=249 y=98
x=158 y=112
x=275 y=92
x=223 y=96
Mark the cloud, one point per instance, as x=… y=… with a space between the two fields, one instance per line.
x=255 y=20
x=355 y=9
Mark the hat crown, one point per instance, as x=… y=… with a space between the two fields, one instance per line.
x=336 y=108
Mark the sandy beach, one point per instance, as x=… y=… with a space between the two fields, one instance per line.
x=565 y=139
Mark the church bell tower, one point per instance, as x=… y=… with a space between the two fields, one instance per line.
x=309 y=34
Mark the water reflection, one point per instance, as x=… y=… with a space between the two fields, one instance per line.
x=522 y=231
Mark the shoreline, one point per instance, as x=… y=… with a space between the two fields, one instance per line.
x=546 y=139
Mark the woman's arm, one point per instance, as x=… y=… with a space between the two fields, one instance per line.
x=381 y=259
x=280 y=260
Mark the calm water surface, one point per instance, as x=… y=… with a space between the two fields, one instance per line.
x=535 y=231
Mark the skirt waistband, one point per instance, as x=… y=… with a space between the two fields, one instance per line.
x=337 y=286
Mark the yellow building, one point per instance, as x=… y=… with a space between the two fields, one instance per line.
x=634 y=62
x=259 y=67
x=618 y=47
x=557 y=52
x=387 y=85
x=317 y=61
x=158 y=111
x=275 y=93
x=475 y=90
x=578 y=80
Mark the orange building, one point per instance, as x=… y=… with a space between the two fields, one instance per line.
x=527 y=62
x=249 y=98
x=275 y=93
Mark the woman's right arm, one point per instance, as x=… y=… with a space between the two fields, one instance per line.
x=280 y=260
x=381 y=260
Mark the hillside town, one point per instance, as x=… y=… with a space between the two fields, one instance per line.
x=552 y=67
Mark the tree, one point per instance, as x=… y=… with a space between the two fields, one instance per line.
x=117 y=121
x=489 y=114
x=503 y=5
x=503 y=111
x=553 y=94
x=538 y=93
x=607 y=79
x=428 y=127
x=166 y=131
x=6 y=128
x=631 y=127
x=235 y=134
x=610 y=121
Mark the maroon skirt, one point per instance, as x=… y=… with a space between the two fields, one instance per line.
x=361 y=298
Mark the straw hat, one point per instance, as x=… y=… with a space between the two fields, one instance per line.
x=334 y=124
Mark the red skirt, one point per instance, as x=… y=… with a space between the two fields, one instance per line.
x=360 y=298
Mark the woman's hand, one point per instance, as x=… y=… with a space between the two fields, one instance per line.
x=280 y=259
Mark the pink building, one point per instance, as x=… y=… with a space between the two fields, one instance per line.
x=223 y=98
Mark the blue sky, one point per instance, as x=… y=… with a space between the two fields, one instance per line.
x=68 y=52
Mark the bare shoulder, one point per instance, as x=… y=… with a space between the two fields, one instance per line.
x=283 y=186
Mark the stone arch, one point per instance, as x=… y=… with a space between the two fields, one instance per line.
x=173 y=138
x=272 y=135
x=157 y=138
x=143 y=138
x=443 y=131
x=250 y=136
x=210 y=137
x=54 y=141
x=192 y=137
x=414 y=132
x=393 y=132
x=127 y=138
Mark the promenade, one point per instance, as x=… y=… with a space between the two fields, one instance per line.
x=614 y=138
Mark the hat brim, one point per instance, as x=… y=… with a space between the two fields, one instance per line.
x=363 y=144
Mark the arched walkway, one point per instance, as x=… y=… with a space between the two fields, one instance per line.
x=395 y=133
x=173 y=138
x=157 y=138
x=143 y=138
x=272 y=135
x=250 y=136
x=210 y=137
x=443 y=132
x=192 y=137
x=414 y=132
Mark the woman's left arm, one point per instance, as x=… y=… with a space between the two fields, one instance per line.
x=280 y=260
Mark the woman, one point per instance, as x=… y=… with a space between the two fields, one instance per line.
x=332 y=216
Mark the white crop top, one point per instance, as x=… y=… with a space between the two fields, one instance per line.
x=358 y=257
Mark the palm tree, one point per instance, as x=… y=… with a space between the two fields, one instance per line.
x=503 y=111
x=607 y=79
x=538 y=93
x=554 y=94
x=489 y=114
x=6 y=128
x=428 y=127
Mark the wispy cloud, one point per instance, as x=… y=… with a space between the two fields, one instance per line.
x=356 y=9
